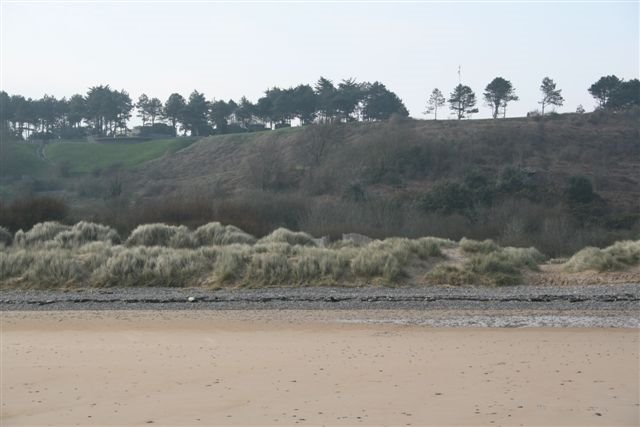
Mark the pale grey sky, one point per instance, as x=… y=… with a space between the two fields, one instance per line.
x=228 y=50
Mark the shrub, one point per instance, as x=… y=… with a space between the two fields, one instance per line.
x=39 y=234
x=619 y=256
x=448 y=198
x=26 y=212
x=580 y=190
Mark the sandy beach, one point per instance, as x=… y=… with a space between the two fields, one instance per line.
x=303 y=367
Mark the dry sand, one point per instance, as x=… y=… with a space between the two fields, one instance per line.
x=291 y=367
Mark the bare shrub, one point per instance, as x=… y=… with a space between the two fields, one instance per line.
x=26 y=212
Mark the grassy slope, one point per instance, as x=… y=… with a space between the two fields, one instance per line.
x=85 y=157
x=18 y=159
x=414 y=155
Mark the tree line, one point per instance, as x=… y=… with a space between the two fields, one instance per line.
x=610 y=92
x=104 y=111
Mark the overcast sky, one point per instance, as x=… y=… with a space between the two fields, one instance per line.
x=228 y=50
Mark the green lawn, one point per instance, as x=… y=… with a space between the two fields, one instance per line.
x=20 y=158
x=86 y=157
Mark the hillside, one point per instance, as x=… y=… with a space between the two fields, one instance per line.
x=558 y=184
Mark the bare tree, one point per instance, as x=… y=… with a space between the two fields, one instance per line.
x=435 y=101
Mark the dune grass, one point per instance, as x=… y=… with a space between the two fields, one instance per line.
x=86 y=157
x=619 y=256
x=488 y=264
x=87 y=254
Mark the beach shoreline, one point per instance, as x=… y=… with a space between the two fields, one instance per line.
x=287 y=367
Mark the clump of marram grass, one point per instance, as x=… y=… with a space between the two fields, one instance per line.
x=54 y=268
x=231 y=263
x=215 y=233
x=320 y=265
x=53 y=255
x=154 y=266
x=39 y=234
x=86 y=232
x=13 y=264
x=476 y=246
x=371 y=263
x=282 y=235
x=161 y=235
x=503 y=266
x=619 y=256
x=5 y=237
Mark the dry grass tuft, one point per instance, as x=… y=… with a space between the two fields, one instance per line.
x=618 y=256
x=87 y=232
x=215 y=233
x=161 y=235
x=282 y=235
x=39 y=234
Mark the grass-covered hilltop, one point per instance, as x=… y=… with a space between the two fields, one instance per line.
x=53 y=255
x=558 y=184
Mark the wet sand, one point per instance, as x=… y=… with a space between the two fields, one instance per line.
x=308 y=368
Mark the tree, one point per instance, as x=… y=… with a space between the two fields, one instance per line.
x=304 y=103
x=603 y=88
x=380 y=103
x=6 y=110
x=498 y=94
x=219 y=113
x=174 y=109
x=326 y=92
x=195 y=114
x=142 y=107
x=550 y=95
x=154 y=109
x=435 y=101
x=626 y=95
x=245 y=112
x=580 y=109
x=77 y=110
x=462 y=100
x=347 y=98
